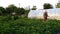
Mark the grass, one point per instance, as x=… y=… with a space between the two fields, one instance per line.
x=28 y=26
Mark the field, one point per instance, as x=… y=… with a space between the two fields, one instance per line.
x=28 y=26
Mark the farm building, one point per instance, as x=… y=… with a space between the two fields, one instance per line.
x=52 y=13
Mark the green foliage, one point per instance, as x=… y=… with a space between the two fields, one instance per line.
x=11 y=8
x=47 y=6
x=2 y=11
x=28 y=26
x=15 y=17
x=19 y=11
x=58 y=5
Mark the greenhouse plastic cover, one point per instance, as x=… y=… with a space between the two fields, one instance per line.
x=51 y=12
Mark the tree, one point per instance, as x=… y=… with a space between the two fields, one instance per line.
x=2 y=11
x=58 y=5
x=47 y=6
x=34 y=8
x=11 y=8
x=20 y=11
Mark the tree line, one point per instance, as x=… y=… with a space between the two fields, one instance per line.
x=20 y=11
x=48 y=6
x=12 y=8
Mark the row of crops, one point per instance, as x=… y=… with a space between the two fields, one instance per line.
x=28 y=26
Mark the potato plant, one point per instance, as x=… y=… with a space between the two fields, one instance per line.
x=28 y=26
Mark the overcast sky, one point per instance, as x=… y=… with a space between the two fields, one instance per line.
x=24 y=3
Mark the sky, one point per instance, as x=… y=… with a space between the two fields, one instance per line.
x=26 y=3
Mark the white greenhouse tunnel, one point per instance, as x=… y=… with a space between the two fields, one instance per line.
x=55 y=13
